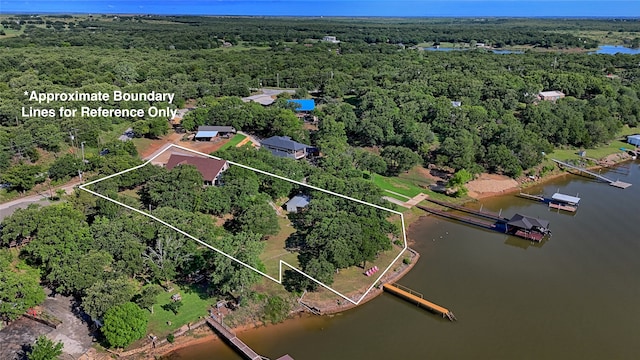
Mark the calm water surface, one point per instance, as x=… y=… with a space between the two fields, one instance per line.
x=615 y=49
x=574 y=296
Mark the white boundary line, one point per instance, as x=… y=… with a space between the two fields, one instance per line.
x=279 y=281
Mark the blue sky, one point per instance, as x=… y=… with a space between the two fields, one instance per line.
x=525 y=8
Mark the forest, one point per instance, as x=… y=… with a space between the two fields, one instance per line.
x=383 y=106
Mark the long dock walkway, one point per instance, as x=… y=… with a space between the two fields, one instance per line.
x=463 y=219
x=616 y=183
x=233 y=340
x=418 y=299
x=483 y=214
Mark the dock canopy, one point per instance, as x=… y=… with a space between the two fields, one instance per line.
x=566 y=198
x=528 y=223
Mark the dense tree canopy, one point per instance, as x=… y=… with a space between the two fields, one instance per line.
x=124 y=324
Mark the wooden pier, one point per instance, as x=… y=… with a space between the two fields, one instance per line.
x=418 y=299
x=237 y=344
x=479 y=213
x=616 y=183
x=521 y=226
x=468 y=220
x=532 y=197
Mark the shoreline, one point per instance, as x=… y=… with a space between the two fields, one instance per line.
x=205 y=334
x=609 y=162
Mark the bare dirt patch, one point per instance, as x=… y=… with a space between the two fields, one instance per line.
x=490 y=184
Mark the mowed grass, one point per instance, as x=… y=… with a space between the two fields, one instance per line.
x=398 y=185
x=235 y=140
x=194 y=306
x=353 y=282
x=275 y=251
x=599 y=152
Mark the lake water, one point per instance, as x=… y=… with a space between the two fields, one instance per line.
x=604 y=49
x=615 y=49
x=574 y=296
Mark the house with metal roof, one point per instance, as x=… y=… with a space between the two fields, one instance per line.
x=297 y=203
x=210 y=168
x=303 y=104
x=550 y=95
x=283 y=146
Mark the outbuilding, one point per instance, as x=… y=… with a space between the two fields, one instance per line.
x=297 y=203
x=634 y=140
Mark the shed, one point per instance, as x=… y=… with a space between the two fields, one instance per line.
x=213 y=131
x=296 y=203
x=634 y=140
x=551 y=95
x=206 y=134
x=304 y=104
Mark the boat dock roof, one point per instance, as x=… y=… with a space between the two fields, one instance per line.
x=566 y=198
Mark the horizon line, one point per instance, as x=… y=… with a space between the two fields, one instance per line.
x=603 y=17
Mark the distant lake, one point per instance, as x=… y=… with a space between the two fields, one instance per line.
x=615 y=49
x=501 y=51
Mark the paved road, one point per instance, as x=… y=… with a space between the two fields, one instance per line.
x=8 y=208
x=73 y=331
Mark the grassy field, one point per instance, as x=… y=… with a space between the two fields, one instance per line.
x=235 y=140
x=275 y=251
x=352 y=281
x=603 y=37
x=599 y=152
x=142 y=144
x=400 y=185
x=194 y=305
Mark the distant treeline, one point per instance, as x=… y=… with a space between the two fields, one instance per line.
x=381 y=95
x=188 y=32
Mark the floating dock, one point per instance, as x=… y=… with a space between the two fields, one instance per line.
x=616 y=183
x=557 y=201
x=418 y=299
x=522 y=226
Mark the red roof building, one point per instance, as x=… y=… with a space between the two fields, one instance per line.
x=208 y=167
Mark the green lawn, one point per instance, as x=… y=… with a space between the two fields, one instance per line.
x=601 y=151
x=274 y=249
x=396 y=184
x=195 y=305
x=597 y=153
x=235 y=140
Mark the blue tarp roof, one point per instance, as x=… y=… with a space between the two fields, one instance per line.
x=305 y=104
x=206 y=134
